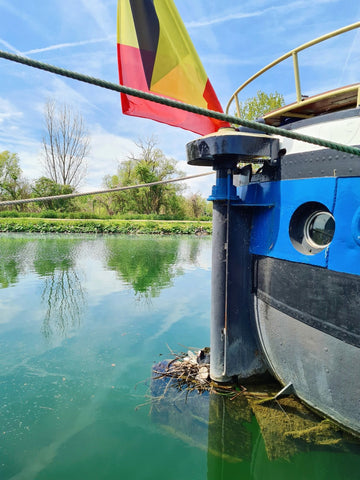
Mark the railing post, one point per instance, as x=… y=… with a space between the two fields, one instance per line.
x=297 y=77
x=237 y=105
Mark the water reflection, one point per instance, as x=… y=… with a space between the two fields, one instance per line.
x=145 y=264
x=63 y=295
x=68 y=407
x=247 y=438
x=12 y=262
x=149 y=264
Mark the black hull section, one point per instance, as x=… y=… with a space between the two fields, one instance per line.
x=326 y=300
x=309 y=331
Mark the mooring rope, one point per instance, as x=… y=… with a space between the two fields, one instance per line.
x=176 y=104
x=99 y=192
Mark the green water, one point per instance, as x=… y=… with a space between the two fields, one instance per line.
x=82 y=321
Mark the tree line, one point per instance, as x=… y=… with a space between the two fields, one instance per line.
x=150 y=165
x=65 y=148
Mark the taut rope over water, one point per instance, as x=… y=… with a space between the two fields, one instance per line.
x=183 y=106
x=99 y=192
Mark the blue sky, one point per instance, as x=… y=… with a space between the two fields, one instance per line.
x=234 y=39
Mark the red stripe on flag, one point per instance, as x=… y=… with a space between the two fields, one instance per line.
x=214 y=104
x=134 y=77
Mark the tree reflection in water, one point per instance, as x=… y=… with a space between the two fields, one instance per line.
x=149 y=264
x=13 y=256
x=63 y=294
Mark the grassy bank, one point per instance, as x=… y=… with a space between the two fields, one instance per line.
x=43 y=225
x=55 y=214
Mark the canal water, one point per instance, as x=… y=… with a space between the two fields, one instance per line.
x=83 y=321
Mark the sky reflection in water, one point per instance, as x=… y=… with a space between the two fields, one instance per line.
x=83 y=319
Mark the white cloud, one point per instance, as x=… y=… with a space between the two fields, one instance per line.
x=351 y=66
x=259 y=12
x=10 y=308
x=8 y=113
x=98 y=283
x=16 y=137
x=224 y=18
x=60 y=46
x=20 y=14
x=67 y=92
x=100 y=14
x=107 y=150
x=30 y=161
x=233 y=42
x=9 y=46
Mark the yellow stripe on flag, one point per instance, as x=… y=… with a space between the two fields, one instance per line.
x=126 y=33
x=178 y=71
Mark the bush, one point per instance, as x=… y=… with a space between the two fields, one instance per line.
x=103 y=226
x=92 y=216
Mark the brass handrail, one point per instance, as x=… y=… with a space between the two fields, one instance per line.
x=293 y=53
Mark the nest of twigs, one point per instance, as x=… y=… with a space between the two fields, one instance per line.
x=191 y=371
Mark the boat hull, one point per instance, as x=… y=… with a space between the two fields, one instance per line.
x=310 y=346
x=306 y=300
x=303 y=251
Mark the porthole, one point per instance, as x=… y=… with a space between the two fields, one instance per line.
x=312 y=228
x=319 y=229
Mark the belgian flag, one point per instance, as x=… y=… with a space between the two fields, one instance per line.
x=156 y=55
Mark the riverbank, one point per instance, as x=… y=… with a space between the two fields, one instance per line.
x=160 y=227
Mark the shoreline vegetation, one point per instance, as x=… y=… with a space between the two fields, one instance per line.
x=101 y=226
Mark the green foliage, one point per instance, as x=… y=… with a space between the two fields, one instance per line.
x=258 y=106
x=197 y=207
x=45 y=187
x=88 y=215
x=104 y=226
x=160 y=202
x=12 y=185
x=150 y=165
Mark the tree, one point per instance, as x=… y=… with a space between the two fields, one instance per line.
x=258 y=106
x=197 y=205
x=149 y=165
x=12 y=184
x=65 y=145
x=45 y=187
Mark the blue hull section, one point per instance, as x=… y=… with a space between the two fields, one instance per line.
x=270 y=232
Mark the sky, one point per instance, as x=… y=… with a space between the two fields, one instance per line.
x=234 y=39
